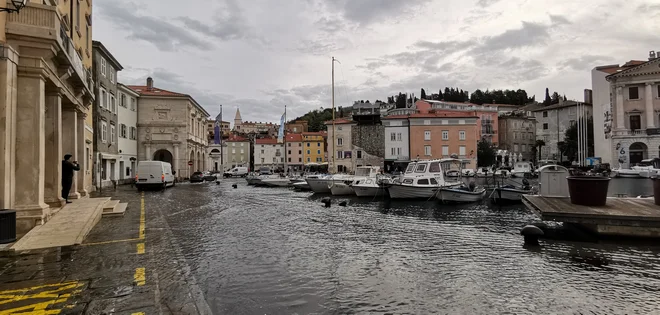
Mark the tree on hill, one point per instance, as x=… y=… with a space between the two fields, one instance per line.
x=422 y=94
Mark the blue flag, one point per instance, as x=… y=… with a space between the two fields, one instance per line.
x=217 y=128
x=280 y=134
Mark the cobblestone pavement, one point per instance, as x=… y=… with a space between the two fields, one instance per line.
x=127 y=265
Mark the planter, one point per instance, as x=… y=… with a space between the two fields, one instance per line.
x=588 y=190
x=7 y=226
x=656 y=190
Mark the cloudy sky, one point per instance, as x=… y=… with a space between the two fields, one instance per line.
x=259 y=55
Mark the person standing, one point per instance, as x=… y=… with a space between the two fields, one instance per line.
x=68 y=168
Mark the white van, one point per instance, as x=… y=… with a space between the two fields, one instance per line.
x=154 y=174
x=236 y=172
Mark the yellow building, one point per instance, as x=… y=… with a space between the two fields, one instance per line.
x=314 y=148
x=46 y=92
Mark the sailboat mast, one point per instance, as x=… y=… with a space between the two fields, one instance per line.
x=334 y=136
x=286 y=165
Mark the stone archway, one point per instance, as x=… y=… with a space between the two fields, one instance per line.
x=163 y=155
x=637 y=152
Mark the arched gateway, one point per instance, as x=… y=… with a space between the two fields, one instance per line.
x=163 y=156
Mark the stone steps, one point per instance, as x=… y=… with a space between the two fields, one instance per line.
x=118 y=210
x=110 y=206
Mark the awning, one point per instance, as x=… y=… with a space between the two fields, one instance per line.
x=106 y=156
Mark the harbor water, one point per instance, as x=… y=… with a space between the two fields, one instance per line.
x=258 y=250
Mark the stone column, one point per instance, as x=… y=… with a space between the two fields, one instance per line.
x=30 y=149
x=147 y=152
x=70 y=143
x=54 y=156
x=175 y=161
x=650 y=113
x=83 y=160
x=8 y=95
x=619 y=109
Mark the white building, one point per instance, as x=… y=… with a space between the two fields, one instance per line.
x=635 y=126
x=127 y=137
x=602 y=111
x=340 y=146
x=397 y=139
x=267 y=152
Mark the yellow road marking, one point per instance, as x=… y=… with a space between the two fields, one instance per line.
x=139 y=276
x=53 y=294
x=138 y=313
x=142 y=216
x=140 y=248
x=111 y=242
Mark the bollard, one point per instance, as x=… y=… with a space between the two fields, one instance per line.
x=531 y=234
x=7 y=226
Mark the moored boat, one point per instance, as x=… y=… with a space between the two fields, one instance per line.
x=461 y=193
x=420 y=181
x=276 y=182
x=509 y=193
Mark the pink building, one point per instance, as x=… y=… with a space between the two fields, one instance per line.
x=294 y=150
x=486 y=115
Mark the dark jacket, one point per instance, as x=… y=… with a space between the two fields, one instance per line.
x=67 y=169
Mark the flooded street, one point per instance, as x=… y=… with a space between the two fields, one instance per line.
x=274 y=251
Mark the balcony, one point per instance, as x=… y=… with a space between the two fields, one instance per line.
x=42 y=21
x=630 y=133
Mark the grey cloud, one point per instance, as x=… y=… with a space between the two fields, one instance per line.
x=450 y=46
x=557 y=20
x=320 y=47
x=528 y=35
x=162 y=34
x=229 y=23
x=486 y=3
x=330 y=25
x=516 y=70
x=648 y=7
x=365 y=12
x=584 y=63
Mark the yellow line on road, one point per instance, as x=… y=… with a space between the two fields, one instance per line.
x=139 y=276
x=142 y=216
x=138 y=313
x=111 y=242
x=140 y=248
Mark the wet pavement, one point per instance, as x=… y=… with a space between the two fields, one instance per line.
x=207 y=248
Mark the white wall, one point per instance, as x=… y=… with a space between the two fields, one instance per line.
x=397 y=144
x=127 y=146
x=344 y=133
x=601 y=106
x=268 y=154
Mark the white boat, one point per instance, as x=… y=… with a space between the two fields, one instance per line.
x=511 y=193
x=341 y=188
x=303 y=186
x=502 y=172
x=627 y=173
x=322 y=183
x=460 y=193
x=484 y=172
x=522 y=169
x=258 y=180
x=368 y=186
x=468 y=172
x=420 y=181
x=648 y=167
x=276 y=182
x=453 y=173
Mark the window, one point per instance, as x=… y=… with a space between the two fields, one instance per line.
x=427 y=122
x=242 y=151
x=398 y=151
x=132 y=104
x=111 y=75
x=318 y=151
x=545 y=113
x=308 y=152
x=113 y=131
x=104 y=98
x=571 y=122
x=635 y=122
x=233 y=151
x=423 y=181
x=359 y=154
x=340 y=154
x=289 y=159
x=308 y=144
x=461 y=135
x=427 y=150
x=433 y=181
x=340 y=141
x=308 y=160
x=427 y=135
x=461 y=150
x=523 y=148
x=445 y=135
x=77 y=15
x=87 y=37
x=122 y=130
x=262 y=151
x=299 y=151
x=393 y=136
x=318 y=144
x=104 y=131
x=103 y=66
x=633 y=93
x=545 y=126
x=515 y=135
x=113 y=106
x=122 y=100
x=398 y=136
x=658 y=86
x=393 y=151
x=289 y=152
x=133 y=133
x=515 y=148
x=299 y=159
x=445 y=150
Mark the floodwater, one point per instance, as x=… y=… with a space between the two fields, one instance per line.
x=275 y=251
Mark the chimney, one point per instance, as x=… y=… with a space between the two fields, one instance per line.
x=653 y=55
x=588 y=96
x=150 y=84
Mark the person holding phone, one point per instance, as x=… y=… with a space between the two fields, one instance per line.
x=68 y=168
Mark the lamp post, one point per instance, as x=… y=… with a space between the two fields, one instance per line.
x=18 y=5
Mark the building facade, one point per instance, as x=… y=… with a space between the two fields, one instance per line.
x=636 y=102
x=236 y=152
x=127 y=134
x=268 y=152
x=486 y=115
x=314 y=147
x=340 y=146
x=294 y=151
x=47 y=92
x=518 y=133
x=397 y=140
x=437 y=136
x=106 y=127
x=171 y=128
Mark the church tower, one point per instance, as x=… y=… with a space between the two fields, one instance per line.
x=238 y=121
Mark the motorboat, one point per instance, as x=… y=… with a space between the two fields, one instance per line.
x=341 y=187
x=421 y=180
x=322 y=183
x=502 y=172
x=522 y=169
x=509 y=193
x=468 y=172
x=461 y=193
x=276 y=181
x=453 y=173
x=369 y=186
x=648 y=167
x=484 y=172
x=627 y=173
x=302 y=186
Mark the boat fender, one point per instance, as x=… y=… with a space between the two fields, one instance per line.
x=234 y=186
x=531 y=233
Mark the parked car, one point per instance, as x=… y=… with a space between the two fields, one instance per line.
x=197 y=177
x=154 y=174
x=208 y=176
x=236 y=172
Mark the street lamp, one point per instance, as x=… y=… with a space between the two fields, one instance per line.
x=18 y=5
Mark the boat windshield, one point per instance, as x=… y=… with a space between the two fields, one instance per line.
x=435 y=167
x=411 y=168
x=421 y=168
x=362 y=172
x=433 y=181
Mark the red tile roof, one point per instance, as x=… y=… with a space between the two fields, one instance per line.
x=612 y=69
x=266 y=141
x=144 y=91
x=234 y=138
x=315 y=133
x=294 y=137
x=339 y=121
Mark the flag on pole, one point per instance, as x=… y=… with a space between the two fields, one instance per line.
x=217 y=128
x=280 y=133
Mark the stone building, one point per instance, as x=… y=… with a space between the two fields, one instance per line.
x=518 y=133
x=236 y=152
x=127 y=134
x=268 y=152
x=635 y=106
x=171 y=128
x=47 y=92
x=340 y=146
x=106 y=145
